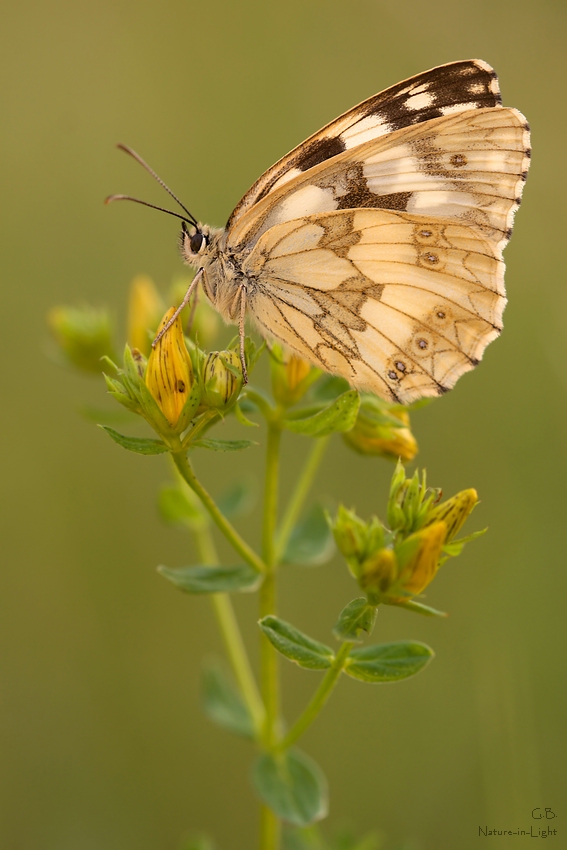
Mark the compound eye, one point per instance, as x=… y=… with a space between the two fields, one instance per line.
x=196 y=242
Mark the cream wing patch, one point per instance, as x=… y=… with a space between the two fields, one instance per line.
x=397 y=303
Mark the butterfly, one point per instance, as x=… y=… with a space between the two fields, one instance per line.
x=374 y=248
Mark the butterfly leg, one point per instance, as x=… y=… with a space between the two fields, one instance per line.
x=186 y=298
x=242 y=290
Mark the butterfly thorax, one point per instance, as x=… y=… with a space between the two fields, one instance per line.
x=222 y=276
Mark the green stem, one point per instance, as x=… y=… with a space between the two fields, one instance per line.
x=319 y=699
x=299 y=495
x=270 y=826
x=230 y=632
x=231 y=534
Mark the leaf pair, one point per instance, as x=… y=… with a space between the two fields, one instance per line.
x=389 y=662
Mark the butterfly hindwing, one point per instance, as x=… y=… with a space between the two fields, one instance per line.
x=445 y=90
x=396 y=303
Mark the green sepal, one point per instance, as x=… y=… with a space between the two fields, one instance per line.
x=189 y=408
x=205 y=579
x=222 y=702
x=118 y=391
x=140 y=445
x=296 y=645
x=340 y=415
x=238 y=499
x=292 y=785
x=455 y=547
x=311 y=542
x=131 y=366
x=176 y=508
x=417 y=607
x=388 y=662
x=242 y=418
x=106 y=359
x=356 y=617
x=223 y=445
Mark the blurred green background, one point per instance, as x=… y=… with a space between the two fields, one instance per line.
x=103 y=744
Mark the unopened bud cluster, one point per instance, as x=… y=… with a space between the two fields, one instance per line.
x=382 y=429
x=396 y=562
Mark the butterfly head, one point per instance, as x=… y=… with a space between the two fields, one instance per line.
x=194 y=240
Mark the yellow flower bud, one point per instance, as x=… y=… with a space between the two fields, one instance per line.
x=379 y=572
x=454 y=511
x=291 y=375
x=144 y=310
x=382 y=429
x=220 y=383
x=424 y=549
x=169 y=374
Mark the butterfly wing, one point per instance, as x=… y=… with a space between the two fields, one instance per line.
x=469 y=167
x=447 y=89
x=398 y=304
x=374 y=248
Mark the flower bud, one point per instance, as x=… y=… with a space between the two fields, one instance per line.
x=381 y=429
x=222 y=378
x=144 y=310
x=453 y=512
x=418 y=559
x=351 y=535
x=291 y=376
x=169 y=373
x=378 y=573
x=84 y=335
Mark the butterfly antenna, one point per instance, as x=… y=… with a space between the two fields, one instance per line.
x=145 y=165
x=112 y=198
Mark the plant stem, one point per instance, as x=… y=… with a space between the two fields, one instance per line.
x=270 y=827
x=319 y=699
x=230 y=632
x=301 y=490
x=231 y=534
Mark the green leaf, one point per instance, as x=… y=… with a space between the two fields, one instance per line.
x=293 y=786
x=311 y=542
x=340 y=415
x=204 y=579
x=295 y=645
x=177 y=508
x=418 y=607
x=222 y=702
x=238 y=499
x=139 y=445
x=358 y=616
x=388 y=662
x=224 y=445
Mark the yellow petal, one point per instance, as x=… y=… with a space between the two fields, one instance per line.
x=169 y=374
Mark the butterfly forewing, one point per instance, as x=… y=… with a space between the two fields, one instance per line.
x=444 y=90
x=469 y=166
